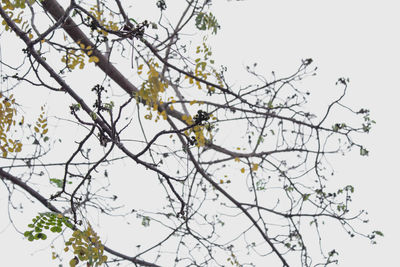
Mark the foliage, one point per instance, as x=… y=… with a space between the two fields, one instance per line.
x=46 y=221
x=8 y=113
x=206 y=21
x=87 y=247
x=250 y=160
x=84 y=244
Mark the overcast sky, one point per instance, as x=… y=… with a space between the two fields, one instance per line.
x=355 y=39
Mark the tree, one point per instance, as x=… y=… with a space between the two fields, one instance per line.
x=259 y=195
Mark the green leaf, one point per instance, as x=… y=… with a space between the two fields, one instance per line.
x=207 y=21
x=363 y=151
x=350 y=188
x=146 y=221
x=40 y=236
x=134 y=21
x=378 y=233
x=260 y=140
x=93 y=115
x=68 y=224
x=27 y=233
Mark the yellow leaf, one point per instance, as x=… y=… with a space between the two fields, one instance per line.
x=198 y=84
x=42 y=41
x=30 y=35
x=93 y=59
x=36 y=129
x=237 y=159
x=73 y=262
x=103 y=259
x=45 y=131
x=255 y=167
x=242 y=170
x=221 y=181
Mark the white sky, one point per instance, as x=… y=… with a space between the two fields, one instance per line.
x=355 y=39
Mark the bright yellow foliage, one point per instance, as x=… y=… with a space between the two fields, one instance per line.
x=11 y=6
x=86 y=246
x=7 y=120
x=41 y=124
x=74 y=58
x=109 y=25
x=254 y=167
x=204 y=69
x=150 y=92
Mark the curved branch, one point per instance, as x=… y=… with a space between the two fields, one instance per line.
x=14 y=180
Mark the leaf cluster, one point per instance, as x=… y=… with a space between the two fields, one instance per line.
x=206 y=21
x=8 y=113
x=46 y=221
x=86 y=246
